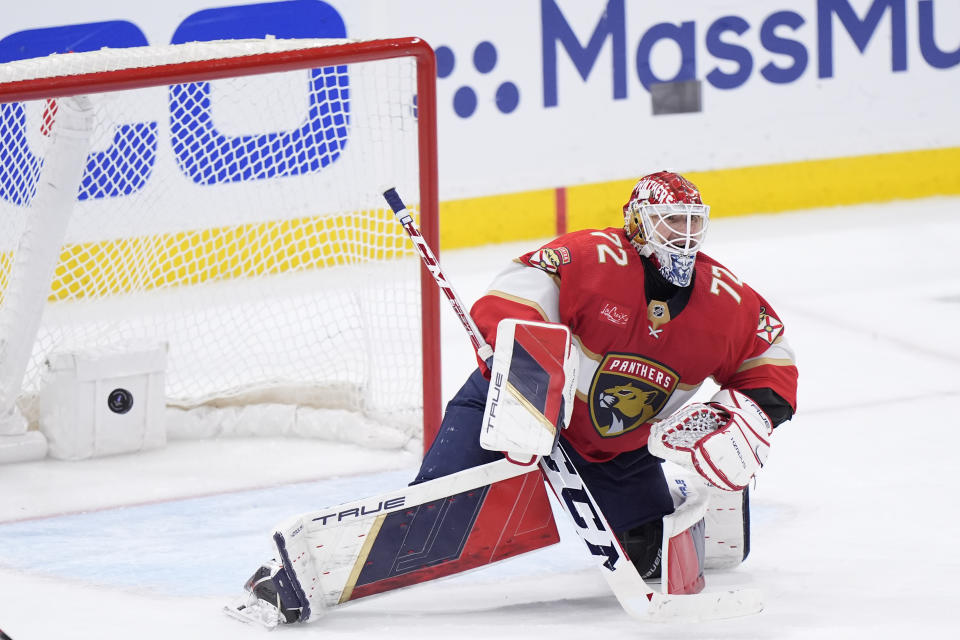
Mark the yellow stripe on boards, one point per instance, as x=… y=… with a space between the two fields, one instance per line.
x=597 y=206
x=492 y=219
x=729 y=192
x=830 y=182
x=120 y=266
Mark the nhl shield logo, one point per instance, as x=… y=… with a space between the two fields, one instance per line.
x=627 y=391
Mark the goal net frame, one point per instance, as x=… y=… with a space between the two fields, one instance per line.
x=340 y=53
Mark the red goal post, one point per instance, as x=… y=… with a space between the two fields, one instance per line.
x=289 y=225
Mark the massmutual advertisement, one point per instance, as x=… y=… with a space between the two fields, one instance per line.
x=768 y=105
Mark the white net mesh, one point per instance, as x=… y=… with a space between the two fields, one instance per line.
x=238 y=220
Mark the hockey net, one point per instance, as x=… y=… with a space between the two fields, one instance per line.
x=227 y=204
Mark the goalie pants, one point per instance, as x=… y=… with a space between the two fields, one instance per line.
x=630 y=489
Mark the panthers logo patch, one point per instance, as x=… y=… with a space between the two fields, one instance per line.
x=627 y=391
x=549 y=259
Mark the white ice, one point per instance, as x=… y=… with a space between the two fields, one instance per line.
x=855 y=531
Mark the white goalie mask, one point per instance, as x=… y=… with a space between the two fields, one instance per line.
x=666 y=220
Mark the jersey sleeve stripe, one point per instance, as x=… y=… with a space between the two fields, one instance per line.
x=759 y=362
x=528 y=286
x=528 y=303
x=778 y=354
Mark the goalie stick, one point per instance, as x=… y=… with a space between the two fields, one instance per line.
x=433 y=266
x=636 y=597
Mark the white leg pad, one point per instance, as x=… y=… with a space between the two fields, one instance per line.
x=728 y=528
x=726 y=515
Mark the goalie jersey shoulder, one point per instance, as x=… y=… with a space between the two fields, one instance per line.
x=583 y=252
x=545 y=284
x=760 y=354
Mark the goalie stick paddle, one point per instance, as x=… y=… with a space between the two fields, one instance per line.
x=636 y=597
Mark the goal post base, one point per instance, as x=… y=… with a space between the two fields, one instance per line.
x=25 y=447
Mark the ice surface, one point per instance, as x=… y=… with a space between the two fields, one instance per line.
x=855 y=530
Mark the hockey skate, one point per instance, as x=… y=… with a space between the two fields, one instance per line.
x=269 y=600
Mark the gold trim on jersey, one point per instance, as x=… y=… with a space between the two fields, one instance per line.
x=590 y=354
x=759 y=362
x=524 y=301
x=658 y=313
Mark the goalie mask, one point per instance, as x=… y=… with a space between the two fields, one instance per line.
x=666 y=221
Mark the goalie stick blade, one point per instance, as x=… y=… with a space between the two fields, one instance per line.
x=700 y=607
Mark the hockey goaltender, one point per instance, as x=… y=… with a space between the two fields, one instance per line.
x=602 y=338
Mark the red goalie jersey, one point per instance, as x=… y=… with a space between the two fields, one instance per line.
x=641 y=358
